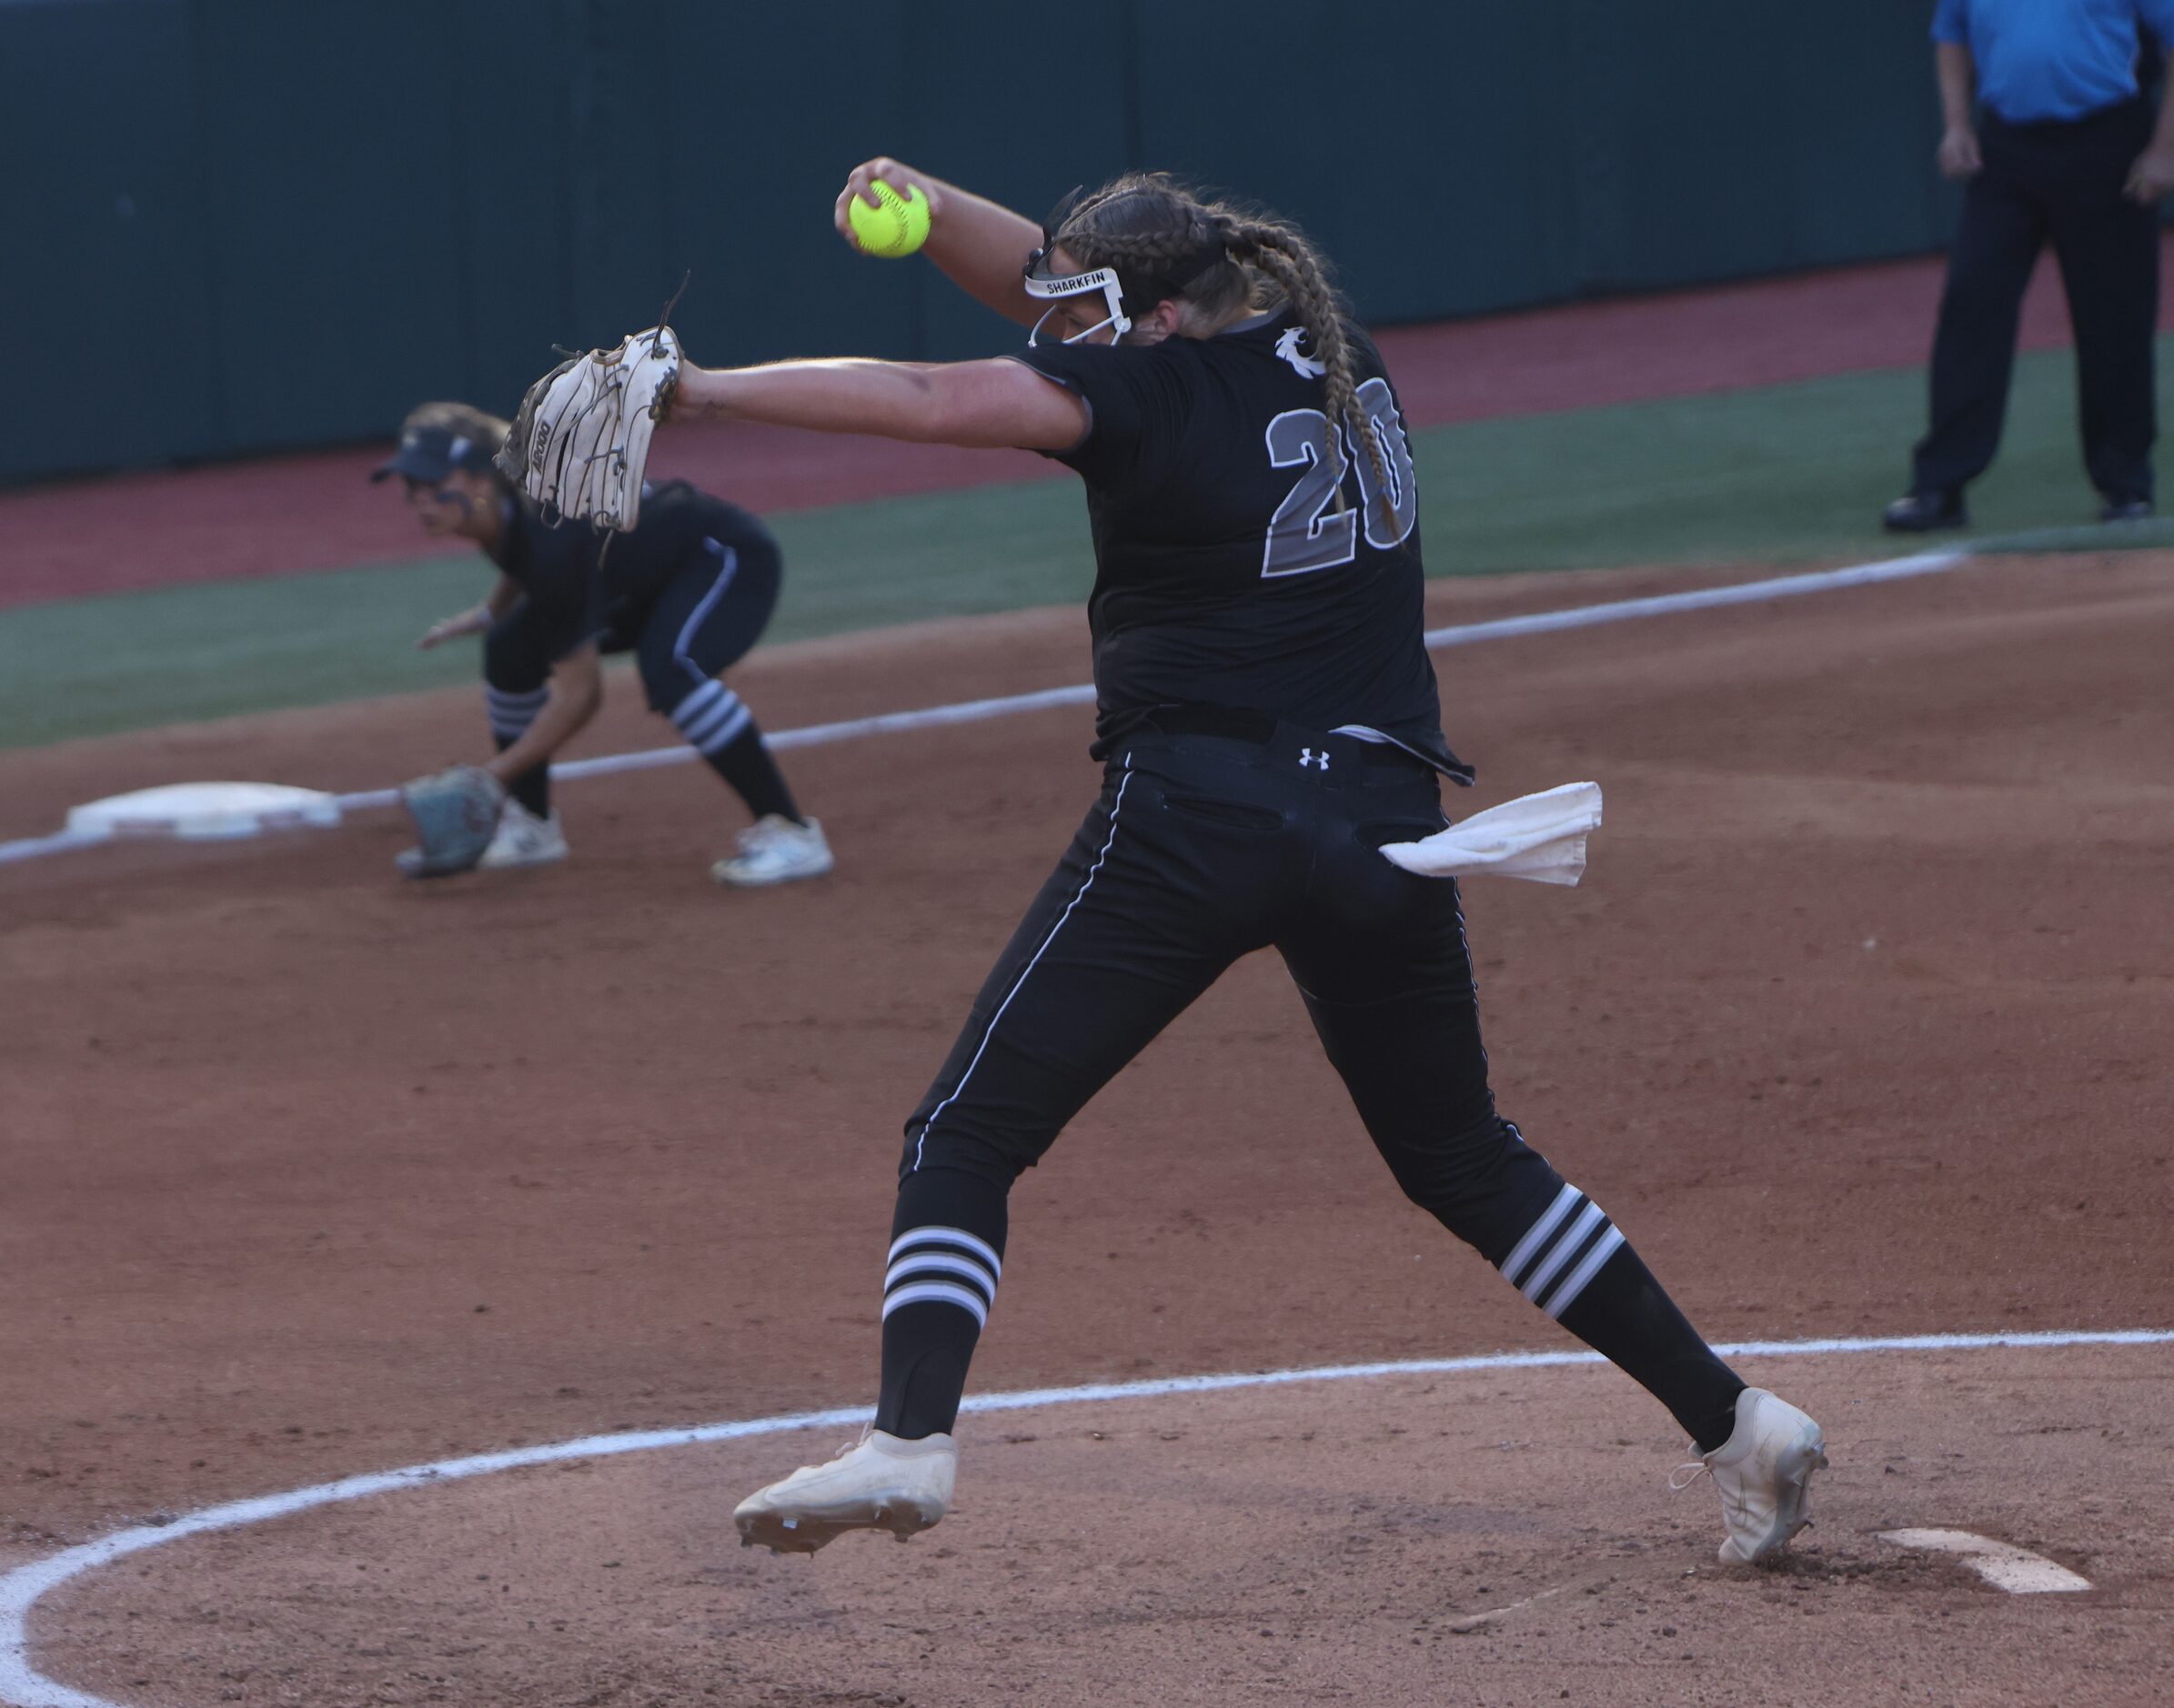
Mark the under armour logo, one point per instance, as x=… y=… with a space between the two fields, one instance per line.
x=1306 y=756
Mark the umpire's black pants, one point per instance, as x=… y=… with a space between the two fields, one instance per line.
x=2061 y=180
x=1202 y=849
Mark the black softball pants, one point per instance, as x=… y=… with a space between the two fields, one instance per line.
x=698 y=621
x=1202 y=849
x=2060 y=181
x=704 y=619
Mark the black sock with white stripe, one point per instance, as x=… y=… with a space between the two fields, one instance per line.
x=940 y=1278
x=717 y=723
x=532 y=788
x=1575 y=1265
x=746 y=765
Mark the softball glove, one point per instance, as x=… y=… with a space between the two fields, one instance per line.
x=581 y=438
x=455 y=814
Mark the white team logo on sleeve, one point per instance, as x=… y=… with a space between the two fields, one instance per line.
x=1305 y=367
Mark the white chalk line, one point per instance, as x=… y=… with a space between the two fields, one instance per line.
x=1473 y=1622
x=2002 y=1564
x=22 y=1686
x=1082 y=694
x=60 y=842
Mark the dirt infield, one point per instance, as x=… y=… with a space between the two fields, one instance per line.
x=1858 y=1027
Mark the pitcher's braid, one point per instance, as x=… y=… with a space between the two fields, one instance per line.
x=1145 y=225
x=1148 y=251
x=1290 y=260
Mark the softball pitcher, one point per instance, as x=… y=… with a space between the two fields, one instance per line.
x=689 y=592
x=1267 y=718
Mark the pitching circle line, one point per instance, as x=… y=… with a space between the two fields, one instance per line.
x=22 y=1686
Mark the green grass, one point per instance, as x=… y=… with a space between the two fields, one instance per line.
x=175 y=655
x=131 y=659
x=2156 y=535
x=1782 y=475
x=996 y=548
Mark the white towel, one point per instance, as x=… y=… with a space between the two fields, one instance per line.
x=1541 y=837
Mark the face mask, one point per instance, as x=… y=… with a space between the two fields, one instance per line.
x=1054 y=290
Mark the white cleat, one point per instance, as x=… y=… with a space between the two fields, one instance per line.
x=524 y=839
x=881 y=1483
x=1764 y=1471
x=775 y=851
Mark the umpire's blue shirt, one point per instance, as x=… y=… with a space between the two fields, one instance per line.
x=2041 y=59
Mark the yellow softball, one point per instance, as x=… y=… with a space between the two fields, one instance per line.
x=897 y=227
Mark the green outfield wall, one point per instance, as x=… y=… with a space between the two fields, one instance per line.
x=236 y=226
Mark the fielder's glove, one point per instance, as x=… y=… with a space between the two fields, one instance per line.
x=582 y=435
x=455 y=814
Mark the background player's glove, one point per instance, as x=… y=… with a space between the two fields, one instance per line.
x=455 y=814
x=582 y=435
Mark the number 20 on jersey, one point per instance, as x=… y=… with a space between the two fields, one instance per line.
x=1304 y=536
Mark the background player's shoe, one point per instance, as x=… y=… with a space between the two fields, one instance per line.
x=1923 y=512
x=524 y=839
x=775 y=851
x=880 y=1484
x=1764 y=1471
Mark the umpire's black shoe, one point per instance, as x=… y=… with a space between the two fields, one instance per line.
x=2125 y=510
x=1923 y=512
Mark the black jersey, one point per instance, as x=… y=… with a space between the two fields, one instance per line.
x=1225 y=574
x=556 y=567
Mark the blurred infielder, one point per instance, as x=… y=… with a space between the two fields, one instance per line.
x=689 y=592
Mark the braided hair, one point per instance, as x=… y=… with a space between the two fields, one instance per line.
x=1170 y=243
